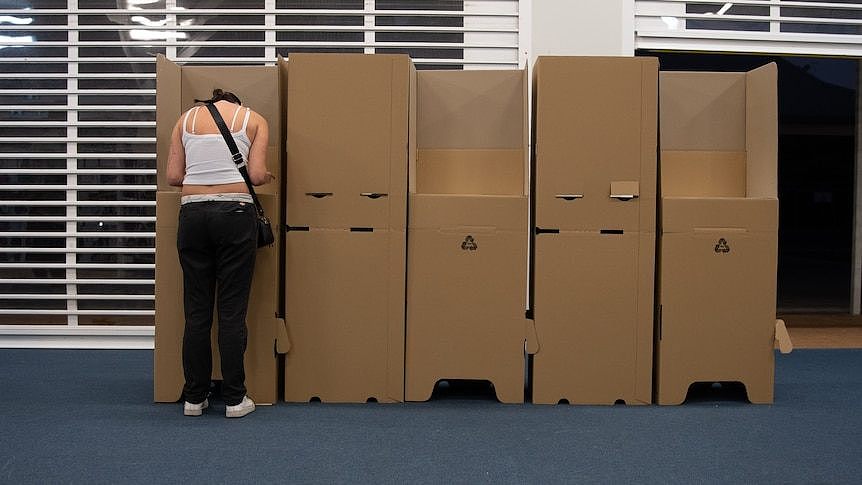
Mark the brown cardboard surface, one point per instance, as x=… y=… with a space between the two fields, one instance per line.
x=691 y=214
x=594 y=249
x=263 y=325
x=169 y=107
x=719 y=116
x=177 y=87
x=467 y=250
x=782 y=337
x=471 y=109
x=703 y=174
x=466 y=290
x=595 y=126
x=491 y=172
x=717 y=312
x=470 y=128
x=703 y=111
x=169 y=320
x=347 y=139
x=761 y=141
x=718 y=262
x=435 y=211
x=345 y=315
x=347 y=129
x=594 y=318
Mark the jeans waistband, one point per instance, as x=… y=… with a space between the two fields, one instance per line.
x=224 y=197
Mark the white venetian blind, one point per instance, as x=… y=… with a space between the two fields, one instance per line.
x=802 y=27
x=77 y=126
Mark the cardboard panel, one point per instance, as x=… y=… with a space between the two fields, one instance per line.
x=718 y=292
x=703 y=111
x=169 y=107
x=489 y=172
x=466 y=292
x=481 y=109
x=761 y=121
x=468 y=233
x=169 y=319
x=492 y=212
x=595 y=125
x=347 y=128
x=692 y=214
x=702 y=174
x=649 y=145
x=178 y=87
x=412 y=131
x=345 y=316
x=594 y=318
x=261 y=364
x=471 y=132
x=718 y=252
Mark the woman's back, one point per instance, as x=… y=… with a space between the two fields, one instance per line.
x=208 y=159
x=200 y=160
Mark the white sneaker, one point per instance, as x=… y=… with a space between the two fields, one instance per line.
x=190 y=409
x=241 y=409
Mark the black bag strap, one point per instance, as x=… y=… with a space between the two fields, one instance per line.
x=241 y=164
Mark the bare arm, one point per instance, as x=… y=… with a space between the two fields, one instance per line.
x=257 y=171
x=176 y=158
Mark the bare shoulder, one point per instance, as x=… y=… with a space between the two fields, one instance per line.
x=256 y=119
x=256 y=123
x=182 y=118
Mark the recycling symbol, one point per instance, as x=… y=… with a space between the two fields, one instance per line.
x=469 y=244
x=722 y=246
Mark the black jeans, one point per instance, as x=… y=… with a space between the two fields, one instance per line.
x=217 y=242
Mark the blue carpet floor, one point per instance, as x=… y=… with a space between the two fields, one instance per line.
x=86 y=417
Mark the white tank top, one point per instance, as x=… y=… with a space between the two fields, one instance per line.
x=208 y=159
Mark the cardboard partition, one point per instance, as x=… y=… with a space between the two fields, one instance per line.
x=347 y=163
x=717 y=311
x=265 y=328
x=258 y=88
x=345 y=313
x=594 y=318
x=592 y=294
x=467 y=244
x=595 y=143
x=466 y=293
x=716 y=120
x=719 y=226
x=178 y=86
x=347 y=129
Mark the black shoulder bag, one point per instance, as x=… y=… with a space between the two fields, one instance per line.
x=265 y=236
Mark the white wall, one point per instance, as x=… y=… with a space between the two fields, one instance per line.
x=580 y=27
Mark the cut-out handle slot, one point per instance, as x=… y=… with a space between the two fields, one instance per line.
x=624 y=197
x=540 y=230
x=373 y=195
x=361 y=229
x=569 y=196
x=297 y=228
x=319 y=195
x=611 y=231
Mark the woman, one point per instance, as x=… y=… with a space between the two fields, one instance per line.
x=216 y=241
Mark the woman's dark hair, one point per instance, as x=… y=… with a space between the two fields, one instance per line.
x=219 y=95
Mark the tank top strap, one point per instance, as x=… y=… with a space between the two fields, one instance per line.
x=186 y=120
x=233 y=120
x=195 y=117
x=245 y=120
